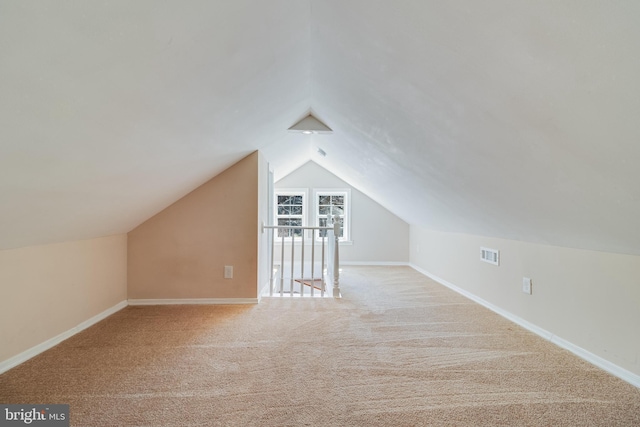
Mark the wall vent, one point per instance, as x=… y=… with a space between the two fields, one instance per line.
x=492 y=256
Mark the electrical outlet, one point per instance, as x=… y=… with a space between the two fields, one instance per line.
x=228 y=271
x=526 y=285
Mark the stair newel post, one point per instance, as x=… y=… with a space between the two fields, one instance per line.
x=336 y=258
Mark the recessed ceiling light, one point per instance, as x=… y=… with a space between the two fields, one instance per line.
x=309 y=125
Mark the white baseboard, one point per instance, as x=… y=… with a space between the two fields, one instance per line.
x=596 y=360
x=34 y=351
x=385 y=263
x=192 y=301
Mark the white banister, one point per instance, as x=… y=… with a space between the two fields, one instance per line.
x=333 y=261
x=336 y=258
x=302 y=268
x=324 y=287
x=281 y=267
x=271 y=272
x=313 y=257
x=287 y=236
x=293 y=246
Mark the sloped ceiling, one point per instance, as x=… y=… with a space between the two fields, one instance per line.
x=506 y=118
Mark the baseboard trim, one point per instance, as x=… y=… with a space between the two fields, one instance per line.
x=382 y=263
x=596 y=360
x=52 y=342
x=193 y=301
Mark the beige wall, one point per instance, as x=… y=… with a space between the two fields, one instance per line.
x=590 y=299
x=181 y=252
x=48 y=290
x=377 y=234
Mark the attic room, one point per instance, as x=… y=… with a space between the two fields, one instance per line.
x=142 y=143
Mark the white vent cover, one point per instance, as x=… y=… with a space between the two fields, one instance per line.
x=492 y=256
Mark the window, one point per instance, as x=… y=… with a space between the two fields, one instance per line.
x=290 y=210
x=293 y=207
x=331 y=203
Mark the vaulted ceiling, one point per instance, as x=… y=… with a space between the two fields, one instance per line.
x=504 y=118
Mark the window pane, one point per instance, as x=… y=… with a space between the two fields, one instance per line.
x=330 y=205
x=297 y=232
x=284 y=210
x=289 y=212
x=290 y=222
x=283 y=200
x=284 y=232
x=289 y=200
x=322 y=222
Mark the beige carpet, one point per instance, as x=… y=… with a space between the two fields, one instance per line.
x=397 y=350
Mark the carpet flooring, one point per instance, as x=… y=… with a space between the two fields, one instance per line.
x=397 y=350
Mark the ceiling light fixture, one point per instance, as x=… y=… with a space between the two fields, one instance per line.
x=310 y=125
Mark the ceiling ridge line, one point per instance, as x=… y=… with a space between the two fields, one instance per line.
x=310 y=54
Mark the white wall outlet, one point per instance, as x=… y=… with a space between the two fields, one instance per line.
x=228 y=271
x=526 y=285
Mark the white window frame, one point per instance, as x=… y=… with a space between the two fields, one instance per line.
x=346 y=192
x=304 y=192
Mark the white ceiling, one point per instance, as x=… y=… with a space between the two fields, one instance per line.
x=513 y=119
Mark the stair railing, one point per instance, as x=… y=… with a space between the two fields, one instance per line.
x=329 y=254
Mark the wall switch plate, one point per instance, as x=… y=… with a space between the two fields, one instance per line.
x=526 y=285
x=228 y=271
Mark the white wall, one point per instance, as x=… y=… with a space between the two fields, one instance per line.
x=263 y=218
x=49 y=290
x=590 y=299
x=377 y=234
